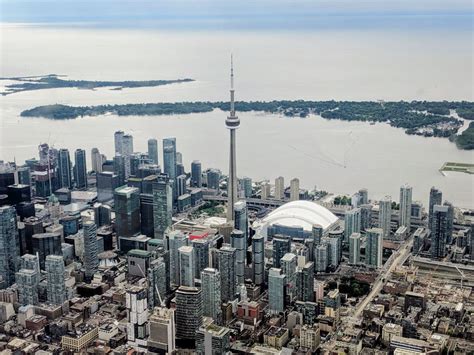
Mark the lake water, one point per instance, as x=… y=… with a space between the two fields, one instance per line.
x=336 y=156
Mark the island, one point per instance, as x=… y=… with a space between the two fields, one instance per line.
x=54 y=81
x=466 y=139
x=425 y=118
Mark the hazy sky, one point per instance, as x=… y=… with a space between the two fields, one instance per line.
x=244 y=14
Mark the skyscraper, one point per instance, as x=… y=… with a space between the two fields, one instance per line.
x=213 y=177
x=120 y=168
x=127 y=151
x=281 y=246
x=226 y=261
x=276 y=290
x=373 y=250
x=321 y=257
x=365 y=217
x=127 y=211
x=405 y=206
x=80 y=169
x=181 y=185
x=96 y=159
x=188 y=312
x=196 y=174
x=64 y=169
x=239 y=242
x=241 y=217
x=449 y=233
x=9 y=245
x=352 y=220
x=439 y=231
x=201 y=255
x=91 y=260
x=211 y=294
x=354 y=248
x=317 y=232
x=305 y=282
x=156 y=275
x=118 y=141
x=232 y=123
x=137 y=316
x=45 y=244
x=294 y=189
x=258 y=259
x=363 y=196
x=385 y=216
x=187 y=266
x=169 y=162
x=280 y=188
x=106 y=183
x=246 y=183
x=162 y=206
x=56 y=287
x=153 y=150
x=266 y=188
x=436 y=198
x=288 y=267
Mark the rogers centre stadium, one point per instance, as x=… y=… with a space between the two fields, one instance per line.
x=296 y=219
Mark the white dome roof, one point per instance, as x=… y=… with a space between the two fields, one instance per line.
x=303 y=214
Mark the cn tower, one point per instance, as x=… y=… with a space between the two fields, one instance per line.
x=232 y=123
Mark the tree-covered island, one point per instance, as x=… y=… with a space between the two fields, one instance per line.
x=416 y=117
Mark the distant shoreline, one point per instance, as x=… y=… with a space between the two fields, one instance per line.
x=429 y=119
x=54 y=81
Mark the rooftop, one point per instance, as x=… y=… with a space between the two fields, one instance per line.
x=302 y=214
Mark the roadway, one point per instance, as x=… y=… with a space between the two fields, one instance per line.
x=398 y=259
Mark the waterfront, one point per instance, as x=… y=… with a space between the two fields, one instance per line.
x=337 y=156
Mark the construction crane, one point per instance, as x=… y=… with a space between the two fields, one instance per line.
x=460 y=273
x=162 y=304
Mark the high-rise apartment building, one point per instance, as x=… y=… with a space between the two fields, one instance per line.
x=9 y=245
x=280 y=188
x=352 y=221
x=258 y=259
x=91 y=260
x=211 y=294
x=439 y=231
x=354 y=248
x=56 y=286
x=226 y=261
x=436 y=198
x=374 y=248
x=405 y=206
x=276 y=290
x=239 y=242
x=162 y=206
x=385 y=216
x=294 y=189
x=281 y=246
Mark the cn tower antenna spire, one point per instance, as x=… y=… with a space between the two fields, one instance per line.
x=232 y=123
